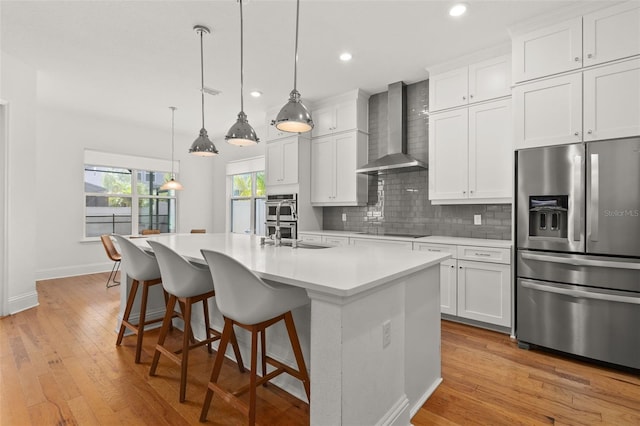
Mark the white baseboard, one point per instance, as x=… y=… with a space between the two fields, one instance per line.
x=74 y=270
x=397 y=415
x=424 y=397
x=22 y=302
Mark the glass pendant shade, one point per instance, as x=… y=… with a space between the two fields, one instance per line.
x=241 y=133
x=202 y=146
x=172 y=184
x=294 y=116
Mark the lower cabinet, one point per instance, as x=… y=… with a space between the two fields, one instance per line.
x=478 y=289
x=484 y=292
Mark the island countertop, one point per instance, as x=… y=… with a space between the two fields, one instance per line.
x=341 y=271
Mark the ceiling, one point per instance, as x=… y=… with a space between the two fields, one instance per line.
x=133 y=59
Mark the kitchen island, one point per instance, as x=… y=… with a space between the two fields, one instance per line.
x=372 y=334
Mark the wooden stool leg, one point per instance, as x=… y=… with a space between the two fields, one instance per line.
x=263 y=345
x=182 y=309
x=207 y=325
x=185 y=349
x=297 y=351
x=127 y=310
x=253 y=374
x=166 y=303
x=227 y=332
x=236 y=351
x=143 y=318
x=168 y=316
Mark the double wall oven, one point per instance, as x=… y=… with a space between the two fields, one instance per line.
x=288 y=215
x=578 y=249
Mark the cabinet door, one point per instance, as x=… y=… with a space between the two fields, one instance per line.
x=548 y=51
x=490 y=79
x=345 y=159
x=548 y=112
x=324 y=121
x=448 y=162
x=448 y=89
x=311 y=238
x=448 y=287
x=290 y=160
x=274 y=164
x=612 y=33
x=484 y=292
x=612 y=101
x=322 y=170
x=490 y=150
x=346 y=116
x=335 y=240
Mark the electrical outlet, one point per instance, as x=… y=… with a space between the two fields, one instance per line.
x=344 y=217
x=386 y=333
x=477 y=219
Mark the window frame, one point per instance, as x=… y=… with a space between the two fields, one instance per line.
x=251 y=166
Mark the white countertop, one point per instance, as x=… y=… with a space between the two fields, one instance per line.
x=341 y=271
x=435 y=239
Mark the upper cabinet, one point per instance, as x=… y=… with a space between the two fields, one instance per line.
x=282 y=160
x=341 y=113
x=599 y=103
x=601 y=36
x=477 y=82
x=470 y=154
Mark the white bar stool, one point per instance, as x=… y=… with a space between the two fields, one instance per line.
x=143 y=269
x=247 y=301
x=186 y=283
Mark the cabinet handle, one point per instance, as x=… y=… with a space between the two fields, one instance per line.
x=464 y=192
x=460 y=267
x=577 y=59
x=589 y=56
x=589 y=131
x=464 y=98
x=576 y=134
x=438 y=250
x=470 y=96
x=454 y=266
x=470 y=192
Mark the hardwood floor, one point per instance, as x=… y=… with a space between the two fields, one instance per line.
x=59 y=366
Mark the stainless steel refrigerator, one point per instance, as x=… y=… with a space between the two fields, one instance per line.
x=578 y=249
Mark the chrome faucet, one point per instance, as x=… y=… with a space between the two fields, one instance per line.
x=290 y=203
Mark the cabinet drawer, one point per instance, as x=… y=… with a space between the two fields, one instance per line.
x=370 y=242
x=310 y=238
x=484 y=254
x=335 y=240
x=439 y=248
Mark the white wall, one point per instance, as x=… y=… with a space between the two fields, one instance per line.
x=18 y=82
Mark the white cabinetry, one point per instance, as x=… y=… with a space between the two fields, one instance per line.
x=551 y=111
x=281 y=165
x=310 y=238
x=338 y=118
x=470 y=154
x=476 y=283
x=334 y=160
x=374 y=242
x=601 y=36
x=477 y=82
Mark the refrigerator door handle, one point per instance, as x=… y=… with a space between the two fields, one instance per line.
x=594 y=200
x=579 y=293
x=575 y=208
x=580 y=262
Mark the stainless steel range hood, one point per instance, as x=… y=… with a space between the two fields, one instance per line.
x=392 y=152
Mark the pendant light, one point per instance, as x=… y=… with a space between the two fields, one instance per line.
x=172 y=183
x=241 y=133
x=294 y=116
x=202 y=146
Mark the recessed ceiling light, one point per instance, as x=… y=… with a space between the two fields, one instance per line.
x=458 y=10
x=345 y=57
x=256 y=93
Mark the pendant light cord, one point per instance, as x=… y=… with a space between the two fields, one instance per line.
x=295 y=62
x=173 y=111
x=241 y=60
x=202 y=76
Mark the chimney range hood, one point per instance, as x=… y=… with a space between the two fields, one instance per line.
x=392 y=153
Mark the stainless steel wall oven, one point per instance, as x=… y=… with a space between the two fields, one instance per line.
x=578 y=249
x=282 y=209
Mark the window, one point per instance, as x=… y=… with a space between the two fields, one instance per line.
x=248 y=203
x=124 y=199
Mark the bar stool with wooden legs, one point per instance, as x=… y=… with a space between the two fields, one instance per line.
x=186 y=283
x=245 y=300
x=112 y=253
x=143 y=268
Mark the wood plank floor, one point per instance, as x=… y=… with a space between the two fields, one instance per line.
x=59 y=366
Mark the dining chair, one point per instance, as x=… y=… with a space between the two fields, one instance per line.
x=187 y=283
x=143 y=269
x=246 y=301
x=149 y=231
x=114 y=255
x=198 y=231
